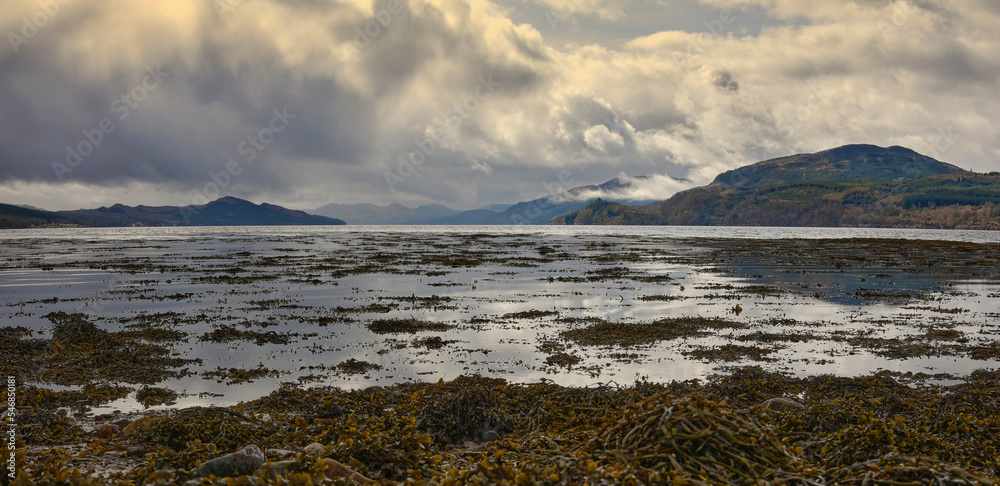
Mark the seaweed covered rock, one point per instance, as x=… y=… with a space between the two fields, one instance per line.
x=226 y=428
x=462 y=409
x=389 y=445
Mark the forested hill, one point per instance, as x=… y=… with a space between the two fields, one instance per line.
x=904 y=197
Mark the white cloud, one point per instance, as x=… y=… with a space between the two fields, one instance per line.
x=599 y=138
x=656 y=187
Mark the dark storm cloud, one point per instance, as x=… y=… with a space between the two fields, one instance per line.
x=222 y=86
x=724 y=80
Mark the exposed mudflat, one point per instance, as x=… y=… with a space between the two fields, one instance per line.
x=107 y=325
x=219 y=317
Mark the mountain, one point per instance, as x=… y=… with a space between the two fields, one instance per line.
x=600 y=211
x=226 y=211
x=391 y=214
x=21 y=217
x=857 y=185
x=536 y=211
x=842 y=163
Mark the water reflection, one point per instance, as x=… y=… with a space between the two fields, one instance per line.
x=505 y=292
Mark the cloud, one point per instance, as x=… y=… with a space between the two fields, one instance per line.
x=603 y=9
x=656 y=187
x=369 y=82
x=600 y=139
x=724 y=79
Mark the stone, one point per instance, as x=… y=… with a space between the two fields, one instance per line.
x=782 y=404
x=490 y=436
x=315 y=449
x=279 y=453
x=136 y=451
x=245 y=461
x=336 y=470
x=106 y=431
x=122 y=423
x=274 y=469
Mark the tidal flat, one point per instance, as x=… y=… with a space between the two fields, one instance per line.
x=325 y=335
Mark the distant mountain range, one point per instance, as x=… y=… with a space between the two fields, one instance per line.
x=853 y=185
x=538 y=211
x=369 y=214
x=226 y=211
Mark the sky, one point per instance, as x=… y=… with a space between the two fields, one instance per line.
x=471 y=102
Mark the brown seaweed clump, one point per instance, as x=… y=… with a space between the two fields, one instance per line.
x=81 y=353
x=643 y=334
x=695 y=439
x=228 y=429
x=461 y=409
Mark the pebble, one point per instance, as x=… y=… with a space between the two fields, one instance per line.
x=135 y=451
x=782 y=404
x=315 y=449
x=490 y=436
x=245 y=461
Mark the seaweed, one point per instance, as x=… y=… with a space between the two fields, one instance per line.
x=409 y=326
x=634 y=334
